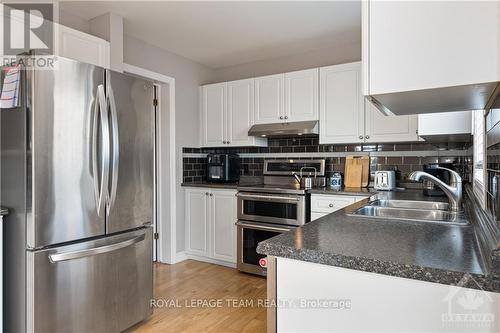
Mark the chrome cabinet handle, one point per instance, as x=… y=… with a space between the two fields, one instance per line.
x=361 y=137
x=330 y=205
x=57 y=257
x=116 y=148
x=367 y=137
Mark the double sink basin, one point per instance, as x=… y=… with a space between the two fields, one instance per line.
x=422 y=211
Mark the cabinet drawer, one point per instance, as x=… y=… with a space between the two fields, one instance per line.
x=330 y=203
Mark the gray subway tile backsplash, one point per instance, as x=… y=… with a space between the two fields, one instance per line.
x=253 y=166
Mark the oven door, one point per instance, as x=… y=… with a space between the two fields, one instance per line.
x=272 y=208
x=250 y=234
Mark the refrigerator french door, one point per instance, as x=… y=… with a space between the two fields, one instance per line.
x=79 y=159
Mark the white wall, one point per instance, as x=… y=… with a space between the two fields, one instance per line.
x=188 y=76
x=319 y=58
x=73 y=21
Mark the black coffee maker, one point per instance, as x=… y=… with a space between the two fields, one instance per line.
x=223 y=168
x=430 y=189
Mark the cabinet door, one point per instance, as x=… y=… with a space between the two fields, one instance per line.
x=301 y=95
x=381 y=128
x=445 y=123
x=197 y=221
x=83 y=47
x=269 y=99
x=213 y=110
x=341 y=104
x=223 y=229
x=240 y=112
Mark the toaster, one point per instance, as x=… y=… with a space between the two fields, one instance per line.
x=385 y=180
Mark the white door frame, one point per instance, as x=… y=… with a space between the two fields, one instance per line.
x=166 y=188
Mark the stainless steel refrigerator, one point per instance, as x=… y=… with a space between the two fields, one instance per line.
x=77 y=174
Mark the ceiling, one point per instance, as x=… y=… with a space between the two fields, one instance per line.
x=221 y=34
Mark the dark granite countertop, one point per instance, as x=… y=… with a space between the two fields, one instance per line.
x=430 y=252
x=211 y=185
x=344 y=191
x=325 y=190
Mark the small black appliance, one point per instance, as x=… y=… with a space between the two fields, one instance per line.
x=223 y=168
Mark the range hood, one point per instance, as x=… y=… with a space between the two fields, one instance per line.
x=285 y=129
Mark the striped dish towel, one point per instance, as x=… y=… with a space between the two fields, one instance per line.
x=10 y=90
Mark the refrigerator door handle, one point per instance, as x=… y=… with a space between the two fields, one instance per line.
x=101 y=189
x=116 y=149
x=65 y=256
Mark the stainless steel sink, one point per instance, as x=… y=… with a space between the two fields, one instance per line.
x=422 y=215
x=411 y=204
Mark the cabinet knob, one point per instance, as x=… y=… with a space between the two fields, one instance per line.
x=367 y=137
x=206 y=193
x=281 y=117
x=361 y=137
x=227 y=142
x=211 y=194
x=286 y=117
x=330 y=205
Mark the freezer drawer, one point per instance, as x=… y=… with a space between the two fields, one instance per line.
x=99 y=286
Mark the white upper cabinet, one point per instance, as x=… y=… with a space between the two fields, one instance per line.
x=346 y=117
x=269 y=99
x=301 y=95
x=77 y=45
x=341 y=104
x=228 y=113
x=240 y=114
x=213 y=108
x=447 y=125
x=382 y=128
x=431 y=56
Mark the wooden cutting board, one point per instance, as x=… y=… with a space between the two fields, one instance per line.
x=353 y=175
x=357 y=166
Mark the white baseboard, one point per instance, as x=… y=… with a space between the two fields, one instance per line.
x=180 y=257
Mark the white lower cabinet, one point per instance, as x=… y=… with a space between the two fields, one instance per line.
x=210 y=223
x=222 y=228
x=312 y=297
x=324 y=204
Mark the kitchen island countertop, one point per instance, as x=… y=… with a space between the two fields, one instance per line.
x=432 y=252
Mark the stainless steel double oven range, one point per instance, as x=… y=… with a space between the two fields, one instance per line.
x=267 y=210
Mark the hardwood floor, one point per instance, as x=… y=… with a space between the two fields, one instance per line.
x=228 y=301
